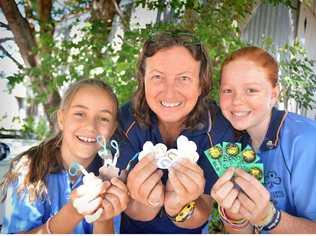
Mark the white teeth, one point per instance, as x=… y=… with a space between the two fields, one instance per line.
x=87 y=139
x=170 y=104
x=240 y=113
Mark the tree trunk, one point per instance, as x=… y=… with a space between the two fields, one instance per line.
x=24 y=37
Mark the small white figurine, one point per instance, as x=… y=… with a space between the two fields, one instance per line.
x=164 y=157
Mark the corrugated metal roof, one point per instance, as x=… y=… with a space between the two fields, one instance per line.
x=271 y=21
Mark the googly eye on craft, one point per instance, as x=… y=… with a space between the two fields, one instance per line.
x=160 y=150
x=172 y=154
x=75 y=169
x=164 y=163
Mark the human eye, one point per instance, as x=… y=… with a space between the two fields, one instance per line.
x=155 y=77
x=252 y=90
x=184 y=78
x=104 y=119
x=79 y=114
x=226 y=91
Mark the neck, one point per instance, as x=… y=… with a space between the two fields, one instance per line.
x=258 y=133
x=170 y=131
x=68 y=158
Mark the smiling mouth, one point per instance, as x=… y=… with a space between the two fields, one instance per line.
x=86 y=139
x=240 y=113
x=170 y=104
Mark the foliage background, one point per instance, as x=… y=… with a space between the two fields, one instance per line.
x=63 y=41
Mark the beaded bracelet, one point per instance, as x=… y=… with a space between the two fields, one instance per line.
x=47 y=225
x=271 y=221
x=235 y=224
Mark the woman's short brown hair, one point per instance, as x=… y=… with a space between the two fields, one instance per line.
x=164 y=40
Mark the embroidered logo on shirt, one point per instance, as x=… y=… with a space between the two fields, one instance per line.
x=272 y=179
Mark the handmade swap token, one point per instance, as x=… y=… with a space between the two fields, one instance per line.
x=232 y=149
x=256 y=172
x=164 y=157
x=215 y=152
x=248 y=155
x=226 y=155
x=164 y=163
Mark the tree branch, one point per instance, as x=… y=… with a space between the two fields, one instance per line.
x=11 y=57
x=3 y=25
x=6 y=39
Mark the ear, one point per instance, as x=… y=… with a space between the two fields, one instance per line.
x=275 y=94
x=60 y=119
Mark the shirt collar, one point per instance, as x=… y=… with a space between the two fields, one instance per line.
x=271 y=139
x=204 y=126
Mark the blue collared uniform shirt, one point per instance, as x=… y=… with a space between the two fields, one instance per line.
x=288 y=153
x=21 y=215
x=214 y=129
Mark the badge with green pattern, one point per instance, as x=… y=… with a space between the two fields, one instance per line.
x=225 y=155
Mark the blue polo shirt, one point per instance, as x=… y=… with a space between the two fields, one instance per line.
x=213 y=129
x=288 y=153
x=21 y=215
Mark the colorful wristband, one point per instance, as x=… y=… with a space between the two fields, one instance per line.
x=185 y=213
x=236 y=224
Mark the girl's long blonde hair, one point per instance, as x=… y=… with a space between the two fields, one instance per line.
x=39 y=161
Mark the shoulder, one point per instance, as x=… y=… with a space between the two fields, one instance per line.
x=221 y=128
x=297 y=127
x=126 y=117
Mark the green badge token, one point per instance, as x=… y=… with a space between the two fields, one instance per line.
x=248 y=155
x=234 y=156
x=256 y=172
x=215 y=152
x=232 y=149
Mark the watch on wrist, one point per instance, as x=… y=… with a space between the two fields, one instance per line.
x=185 y=213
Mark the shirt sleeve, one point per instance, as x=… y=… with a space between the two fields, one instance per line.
x=21 y=215
x=303 y=174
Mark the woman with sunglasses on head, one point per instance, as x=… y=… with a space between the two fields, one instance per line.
x=171 y=99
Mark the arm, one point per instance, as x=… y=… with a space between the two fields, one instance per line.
x=185 y=184
x=115 y=201
x=57 y=223
x=254 y=207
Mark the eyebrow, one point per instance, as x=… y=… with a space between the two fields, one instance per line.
x=184 y=72
x=86 y=108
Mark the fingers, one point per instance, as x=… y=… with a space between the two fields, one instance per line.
x=156 y=197
x=229 y=200
x=147 y=187
x=187 y=176
x=83 y=207
x=251 y=186
x=188 y=165
x=223 y=186
x=136 y=178
x=225 y=178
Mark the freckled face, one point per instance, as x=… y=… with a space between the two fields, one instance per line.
x=247 y=96
x=172 y=84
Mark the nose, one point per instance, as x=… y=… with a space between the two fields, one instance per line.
x=91 y=124
x=238 y=98
x=169 y=89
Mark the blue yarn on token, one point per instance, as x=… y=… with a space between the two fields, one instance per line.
x=225 y=155
x=74 y=169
